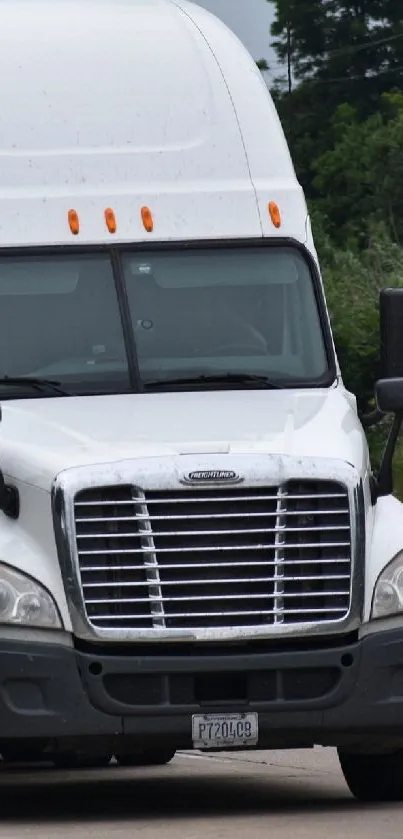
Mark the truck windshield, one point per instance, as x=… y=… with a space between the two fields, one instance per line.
x=248 y=311
x=192 y=313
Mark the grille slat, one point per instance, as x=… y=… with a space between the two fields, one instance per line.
x=211 y=597
x=220 y=499
x=181 y=566
x=271 y=556
x=220 y=548
x=241 y=581
x=215 y=532
x=230 y=498
x=218 y=614
x=105 y=519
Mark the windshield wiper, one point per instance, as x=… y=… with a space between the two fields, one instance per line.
x=216 y=380
x=43 y=385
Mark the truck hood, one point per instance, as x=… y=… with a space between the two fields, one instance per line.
x=39 y=438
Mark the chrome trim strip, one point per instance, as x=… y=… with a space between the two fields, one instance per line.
x=279 y=558
x=150 y=564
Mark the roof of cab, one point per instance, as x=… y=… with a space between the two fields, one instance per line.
x=135 y=103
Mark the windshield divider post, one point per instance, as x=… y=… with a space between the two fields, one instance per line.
x=128 y=333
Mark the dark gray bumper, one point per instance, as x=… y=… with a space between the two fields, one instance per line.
x=303 y=696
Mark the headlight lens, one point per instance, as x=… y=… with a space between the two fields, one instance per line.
x=388 y=595
x=25 y=603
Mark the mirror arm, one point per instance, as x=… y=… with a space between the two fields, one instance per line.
x=384 y=481
x=371 y=419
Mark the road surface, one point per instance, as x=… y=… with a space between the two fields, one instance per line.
x=275 y=795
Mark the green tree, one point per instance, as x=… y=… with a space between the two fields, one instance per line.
x=340 y=52
x=336 y=38
x=353 y=281
x=359 y=181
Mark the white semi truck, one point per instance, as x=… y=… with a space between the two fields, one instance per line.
x=194 y=550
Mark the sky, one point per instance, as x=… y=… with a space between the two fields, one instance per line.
x=249 y=19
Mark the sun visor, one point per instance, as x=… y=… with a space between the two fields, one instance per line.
x=217 y=268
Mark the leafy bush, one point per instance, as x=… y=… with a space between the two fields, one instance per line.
x=358 y=180
x=353 y=280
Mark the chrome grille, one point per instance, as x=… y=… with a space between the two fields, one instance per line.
x=198 y=558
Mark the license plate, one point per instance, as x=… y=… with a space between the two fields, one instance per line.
x=224 y=731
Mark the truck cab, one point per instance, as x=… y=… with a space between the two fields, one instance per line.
x=194 y=550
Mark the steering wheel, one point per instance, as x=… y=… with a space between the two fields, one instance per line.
x=251 y=349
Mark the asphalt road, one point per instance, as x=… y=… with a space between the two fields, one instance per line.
x=295 y=795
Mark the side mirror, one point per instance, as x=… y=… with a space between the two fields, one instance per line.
x=389 y=390
x=391 y=328
x=391 y=351
x=389 y=396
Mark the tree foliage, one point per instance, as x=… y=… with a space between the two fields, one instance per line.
x=335 y=40
x=353 y=281
x=342 y=53
x=359 y=181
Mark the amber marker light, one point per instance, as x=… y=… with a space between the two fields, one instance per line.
x=275 y=214
x=110 y=219
x=147 y=219
x=74 y=222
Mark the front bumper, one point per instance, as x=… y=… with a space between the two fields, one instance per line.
x=304 y=695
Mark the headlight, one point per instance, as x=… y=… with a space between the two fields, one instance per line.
x=25 y=603
x=388 y=594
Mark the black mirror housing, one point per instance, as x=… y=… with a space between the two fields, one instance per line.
x=389 y=390
x=389 y=396
x=9 y=499
x=391 y=329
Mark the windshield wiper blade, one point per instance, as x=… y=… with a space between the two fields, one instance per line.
x=216 y=380
x=43 y=385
